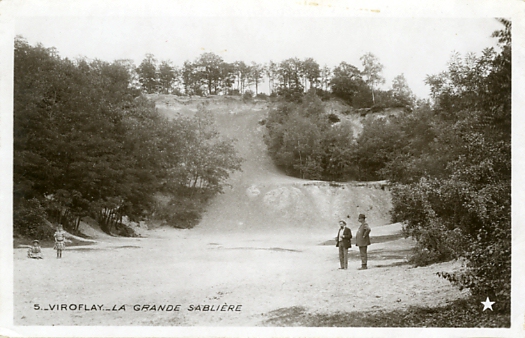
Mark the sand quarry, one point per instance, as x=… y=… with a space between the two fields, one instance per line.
x=263 y=247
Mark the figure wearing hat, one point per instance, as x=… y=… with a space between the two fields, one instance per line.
x=342 y=241
x=35 y=251
x=362 y=240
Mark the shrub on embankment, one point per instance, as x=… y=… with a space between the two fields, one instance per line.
x=305 y=142
x=449 y=164
x=461 y=208
x=87 y=143
x=309 y=142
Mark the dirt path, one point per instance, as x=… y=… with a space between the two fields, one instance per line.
x=263 y=247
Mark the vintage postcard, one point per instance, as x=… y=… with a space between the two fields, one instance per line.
x=245 y=168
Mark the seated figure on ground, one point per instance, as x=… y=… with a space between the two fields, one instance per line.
x=35 y=251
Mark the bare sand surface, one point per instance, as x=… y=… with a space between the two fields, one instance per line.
x=187 y=267
x=266 y=244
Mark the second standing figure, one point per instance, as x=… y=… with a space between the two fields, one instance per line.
x=362 y=240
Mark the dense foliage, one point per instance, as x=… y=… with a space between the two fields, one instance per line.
x=449 y=161
x=451 y=169
x=305 y=142
x=309 y=143
x=87 y=143
x=289 y=79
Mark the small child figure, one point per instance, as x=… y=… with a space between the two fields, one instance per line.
x=35 y=251
x=60 y=244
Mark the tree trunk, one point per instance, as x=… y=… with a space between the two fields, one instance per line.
x=111 y=220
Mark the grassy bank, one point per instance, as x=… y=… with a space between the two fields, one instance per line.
x=461 y=313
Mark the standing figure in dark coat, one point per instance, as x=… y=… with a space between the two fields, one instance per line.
x=362 y=240
x=342 y=241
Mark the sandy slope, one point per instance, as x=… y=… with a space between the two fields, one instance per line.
x=264 y=245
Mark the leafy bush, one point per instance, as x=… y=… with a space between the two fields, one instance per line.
x=451 y=170
x=184 y=211
x=465 y=213
x=248 y=96
x=291 y=94
x=86 y=144
x=363 y=98
x=324 y=95
x=302 y=140
x=29 y=220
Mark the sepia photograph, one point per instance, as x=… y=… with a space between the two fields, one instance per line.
x=226 y=169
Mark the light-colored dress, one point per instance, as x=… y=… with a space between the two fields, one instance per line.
x=60 y=238
x=34 y=252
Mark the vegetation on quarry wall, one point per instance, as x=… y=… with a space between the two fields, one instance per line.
x=87 y=143
x=288 y=79
x=304 y=141
x=449 y=163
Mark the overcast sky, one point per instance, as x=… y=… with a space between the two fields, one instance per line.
x=413 y=46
